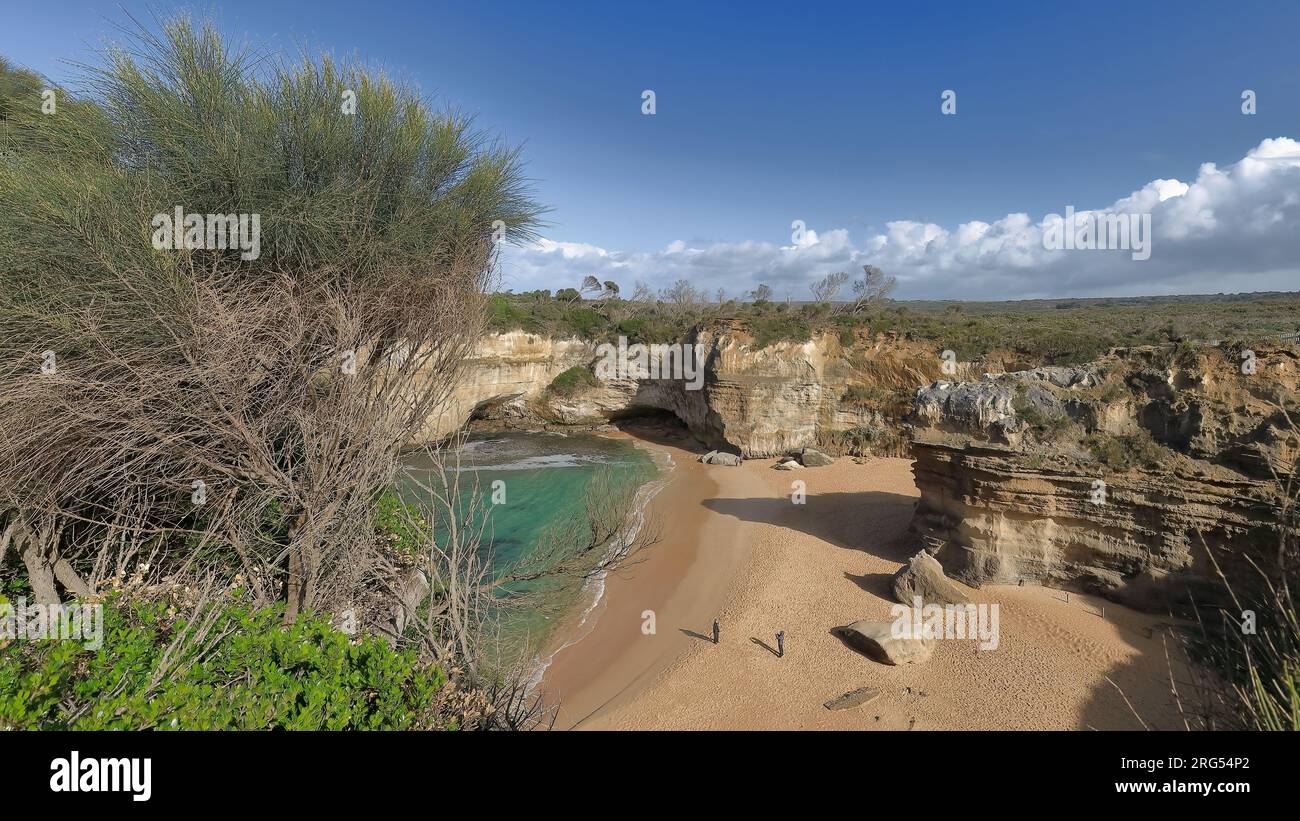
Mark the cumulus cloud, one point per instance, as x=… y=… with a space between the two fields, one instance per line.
x=1235 y=228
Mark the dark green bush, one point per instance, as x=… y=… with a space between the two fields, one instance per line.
x=504 y=315
x=583 y=322
x=573 y=380
x=256 y=676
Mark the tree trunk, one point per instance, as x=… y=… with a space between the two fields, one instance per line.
x=40 y=575
x=293 y=586
x=70 y=579
x=295 y=573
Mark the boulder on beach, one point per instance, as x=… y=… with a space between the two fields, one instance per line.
x=717 y=457
x=923 y=576
x=788 y=465
x=877 y=641
x=813 y=458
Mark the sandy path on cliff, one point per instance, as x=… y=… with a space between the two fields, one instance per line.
x=766 y=564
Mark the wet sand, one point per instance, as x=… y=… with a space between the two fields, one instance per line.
x=736 y=548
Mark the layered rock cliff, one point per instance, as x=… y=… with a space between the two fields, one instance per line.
x=1123 y=478
x=505 y=372
x=752 y=400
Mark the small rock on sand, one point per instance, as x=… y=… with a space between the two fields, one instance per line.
x=717 y=457
x=853 y=698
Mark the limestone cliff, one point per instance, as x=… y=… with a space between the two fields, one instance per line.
x=754 y=400
x=505 y=371
x=1120 y=478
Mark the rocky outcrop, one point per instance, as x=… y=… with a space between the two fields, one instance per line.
x=1119 y=478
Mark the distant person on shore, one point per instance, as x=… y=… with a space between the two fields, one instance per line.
x=715 y=631
x=780 y=643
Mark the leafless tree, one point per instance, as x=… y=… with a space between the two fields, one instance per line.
x=682 y=295
x=266 y=416
x=641 y=293
x=826 y=289
x=872 y=288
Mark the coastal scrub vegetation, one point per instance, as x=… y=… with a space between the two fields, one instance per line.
x=205 y=418
x=1044 y=332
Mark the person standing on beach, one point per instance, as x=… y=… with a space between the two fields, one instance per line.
x=780 y=644
x=715 y=631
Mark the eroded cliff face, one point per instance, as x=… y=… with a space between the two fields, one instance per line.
x=776 y=399
x=1120 y=478
x=756 y=401
x=504 y=373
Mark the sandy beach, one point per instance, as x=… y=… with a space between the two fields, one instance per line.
x=734 y=547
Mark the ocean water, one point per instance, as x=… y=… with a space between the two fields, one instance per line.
x=542 y=499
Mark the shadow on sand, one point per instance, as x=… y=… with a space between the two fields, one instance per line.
x=1141 y=695
x=873 y=521
x=696 y=635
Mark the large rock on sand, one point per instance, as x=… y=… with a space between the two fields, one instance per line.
x=813 y=458
x=876 y=639
x=717 y=457
x=923 y=576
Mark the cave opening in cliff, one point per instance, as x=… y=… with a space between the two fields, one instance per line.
x=652 y=423
x=645 y=414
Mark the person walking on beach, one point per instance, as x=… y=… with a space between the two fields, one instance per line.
x=780 y=643
x=715 y=631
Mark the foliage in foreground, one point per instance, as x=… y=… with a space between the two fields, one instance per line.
x=244 y=672
x=193 y=389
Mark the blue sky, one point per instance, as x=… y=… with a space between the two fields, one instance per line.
x=830 y=114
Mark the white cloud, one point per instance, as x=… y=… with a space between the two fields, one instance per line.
x=1231 y=229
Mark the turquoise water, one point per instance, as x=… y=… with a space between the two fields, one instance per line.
x=545 y=481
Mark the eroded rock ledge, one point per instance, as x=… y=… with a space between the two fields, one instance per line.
x=1119 y=478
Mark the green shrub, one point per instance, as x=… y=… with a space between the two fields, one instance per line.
x=504 y=315
x=573 y=380
x=257 y=675
x=1125 y=452
x=584 y=322
x=399 y=525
